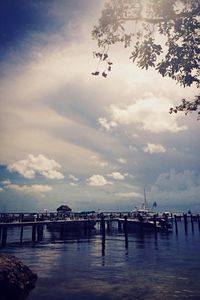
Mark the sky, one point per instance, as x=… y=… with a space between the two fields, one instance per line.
x=93 y=143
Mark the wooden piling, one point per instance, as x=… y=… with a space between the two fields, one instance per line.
x=103 y=245
x=126 y=231
x=108 y=226
x=185 y=223
x=119 y=225
x=198 y=220
x=22 y=217
x=103 y=225
x=40 y=232
x=175 y=220
x=34 y=233
x=154 y=222
x=103 y=234
x=192 y=222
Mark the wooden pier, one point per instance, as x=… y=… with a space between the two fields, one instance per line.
x=77 y=221
x=37 y=228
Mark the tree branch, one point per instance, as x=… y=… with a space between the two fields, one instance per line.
x=167 y=18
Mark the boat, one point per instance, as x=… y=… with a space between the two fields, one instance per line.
x=72 y=225
x=148 y=223
x=144 y=219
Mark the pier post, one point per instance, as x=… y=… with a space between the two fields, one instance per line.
x=21 y=234
x=33 y=233
x=4 y=236
x=119 y=225
x=185 y=223
x=103 y=234
x=103 y=245
x=103 y=225
x=154 y=222
x=126 y=231
x=40 y=232
x=22 y=217
x=192 y=222
x=108 y=226
x=198 y=219
x=175 y=220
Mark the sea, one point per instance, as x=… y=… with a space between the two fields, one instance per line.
x=85 y=266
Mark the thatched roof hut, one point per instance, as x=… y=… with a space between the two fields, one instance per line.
x=63 y=209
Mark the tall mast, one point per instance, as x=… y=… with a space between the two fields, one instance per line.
x=145 y=200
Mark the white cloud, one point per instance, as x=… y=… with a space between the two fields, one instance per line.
x=154 y=148
x=122 y=160
x=72 y=177
x=35 y=188
x=117 y=175
x=98 y=180
x=1 y=190
x=37 y=164
x=151 y=114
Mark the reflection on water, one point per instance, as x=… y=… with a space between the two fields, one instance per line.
x=89 y=265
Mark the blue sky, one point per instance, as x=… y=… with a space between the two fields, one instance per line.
x=92 y=143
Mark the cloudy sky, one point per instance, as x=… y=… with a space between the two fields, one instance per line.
x=90 y=142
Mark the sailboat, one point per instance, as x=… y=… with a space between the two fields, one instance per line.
x=143 y=210
x=145 y=219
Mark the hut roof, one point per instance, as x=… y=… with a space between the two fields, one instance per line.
x=63 y=208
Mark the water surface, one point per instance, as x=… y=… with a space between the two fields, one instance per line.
x=162 y=266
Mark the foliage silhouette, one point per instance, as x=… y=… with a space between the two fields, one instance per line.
x=163 y=34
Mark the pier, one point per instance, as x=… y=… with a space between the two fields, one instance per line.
x=76 y=221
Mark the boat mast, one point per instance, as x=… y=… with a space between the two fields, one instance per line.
x=145 y=200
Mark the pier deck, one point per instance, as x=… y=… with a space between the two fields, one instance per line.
x=75 y=222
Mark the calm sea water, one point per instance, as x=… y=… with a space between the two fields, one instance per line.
x=77 y=268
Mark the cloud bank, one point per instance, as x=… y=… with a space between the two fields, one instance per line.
x=117 y=175
x=150 y=114
x=37 y=164
x=35 y=188
x=98 y=180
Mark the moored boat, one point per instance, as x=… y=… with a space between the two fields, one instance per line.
x=148 y=224
x=72 y=224
x=145 y=219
